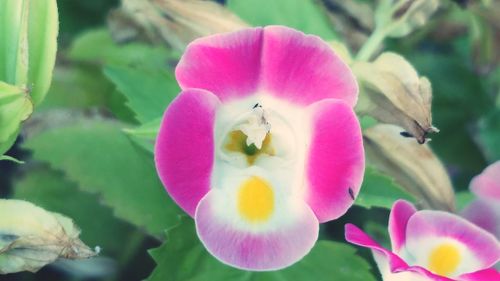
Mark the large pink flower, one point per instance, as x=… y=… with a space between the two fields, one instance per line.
x=485 y=210
x=431 y=246
x=262 y=144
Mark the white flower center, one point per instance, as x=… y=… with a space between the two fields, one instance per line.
x=256 y=127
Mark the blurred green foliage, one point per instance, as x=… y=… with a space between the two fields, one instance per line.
x=93 y=161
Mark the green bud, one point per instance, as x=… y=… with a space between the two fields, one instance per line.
x=15 y=107
x=28 y=44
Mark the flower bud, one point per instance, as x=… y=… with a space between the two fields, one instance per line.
x=15 y=107
x=31 y=237
x=415 y=167
x=393 y=93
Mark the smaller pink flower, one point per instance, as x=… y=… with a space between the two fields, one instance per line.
x=431 y=246
x=485 y=210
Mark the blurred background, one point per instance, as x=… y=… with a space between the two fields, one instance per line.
x=112 y=56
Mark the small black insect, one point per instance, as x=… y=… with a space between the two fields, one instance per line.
x=406 y=135
x=351 y=193
x=256 y=105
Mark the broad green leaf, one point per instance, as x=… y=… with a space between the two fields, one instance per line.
x=33 y=237
x=304 y=15
x=101 y=159
x=183 y=257
x=50 y=190
x=379 y=190
x=148 y=91
x=489 y=135
x=28 y=44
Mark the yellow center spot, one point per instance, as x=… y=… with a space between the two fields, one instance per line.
x=237 y=143
x=255 y=200
x=444 y=259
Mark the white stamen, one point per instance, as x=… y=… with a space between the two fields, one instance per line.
x=256 y=127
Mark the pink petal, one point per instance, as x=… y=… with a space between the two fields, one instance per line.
x=227 y=65
x=303 y=69
x=396 y=265
x=485 y=214
x=430 y=225
x=248 y=249
x=276 y=60
x=487 y=184
x=482 y=275
x=398 y=219
x=184 y=151
x=335 y=165
x=356 y=236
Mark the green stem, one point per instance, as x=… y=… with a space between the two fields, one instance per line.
x=371 y=45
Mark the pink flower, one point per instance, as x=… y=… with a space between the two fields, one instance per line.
x=431 y=246
x=485 y=210
x=262 y=144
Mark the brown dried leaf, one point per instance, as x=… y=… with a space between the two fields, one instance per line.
x=176 y=22
x=31 y=237
x=413 y=166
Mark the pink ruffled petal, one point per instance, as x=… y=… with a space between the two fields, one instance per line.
x=396 y=265
x=227 y=65
x=184 y=151
x=427 y=226
x=482 y=275
x=356 y=236
x=487 y=184
x=250 y=248
x=335 y=164
x=275 y=60
x=485 y=214
x=400 y=214
x=304 y=69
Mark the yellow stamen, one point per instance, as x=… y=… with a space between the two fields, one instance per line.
x=444 y=259
x=255 y=200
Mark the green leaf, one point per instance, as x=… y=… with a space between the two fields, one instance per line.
x=304 y=15
x=489 y=135
x=101 y=159
x=183 y=257
x=148 y=91
x=379 y=190
x=464 y=198
x=82 y=87
x=50 y=190
x=97 y=46
x=145 y=135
